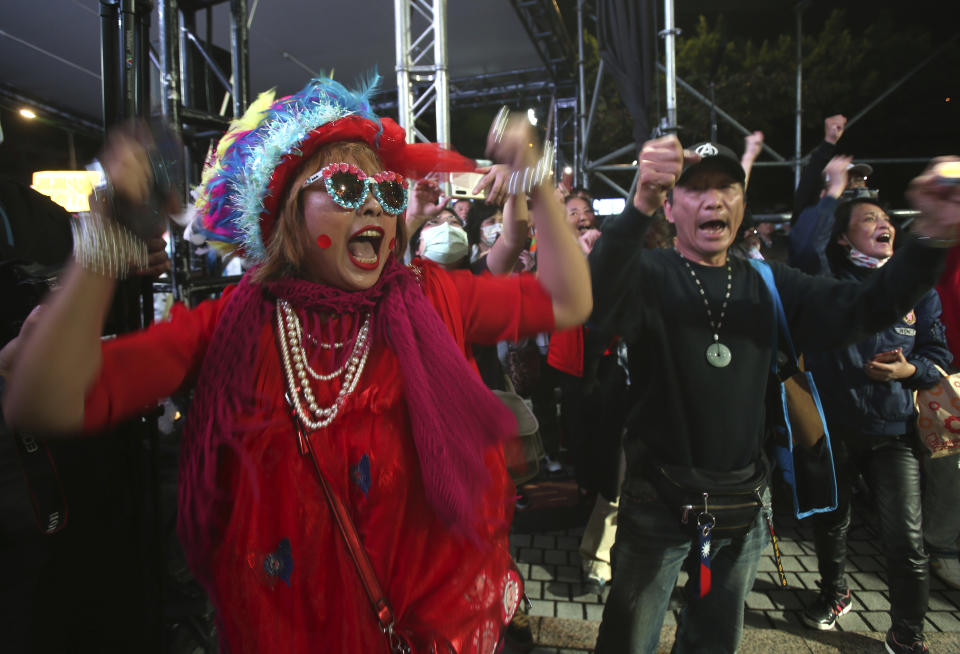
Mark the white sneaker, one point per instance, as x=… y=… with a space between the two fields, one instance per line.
x=552 y=466
x=947 y=569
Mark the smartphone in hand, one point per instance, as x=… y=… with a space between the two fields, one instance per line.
x=462 y=185
x=886 y=357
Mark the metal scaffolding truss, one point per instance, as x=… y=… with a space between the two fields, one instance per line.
x=544 y=25
x=179 y=74
x=195 y=94
x=521 y=88
x=606 y=163
x=422 y=83
x=513 y=87
x=193 y=77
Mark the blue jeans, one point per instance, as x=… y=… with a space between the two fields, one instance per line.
x=647 y=557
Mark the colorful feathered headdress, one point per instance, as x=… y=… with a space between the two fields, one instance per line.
x=253 y=164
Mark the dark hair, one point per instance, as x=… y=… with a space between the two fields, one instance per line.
x=479 y=211
x=574 y=196
x=836 y=253
x=451 y=212
x=414 y=242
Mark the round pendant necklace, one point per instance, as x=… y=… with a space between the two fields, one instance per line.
x=718 y=354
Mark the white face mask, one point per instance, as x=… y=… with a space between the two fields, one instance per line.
x=444 y=243
x=489 y=233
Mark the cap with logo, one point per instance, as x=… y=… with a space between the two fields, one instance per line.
x=713 y=156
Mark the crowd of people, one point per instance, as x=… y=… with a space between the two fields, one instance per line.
x=342 y=478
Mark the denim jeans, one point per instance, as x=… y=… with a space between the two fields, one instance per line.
x=648 y=555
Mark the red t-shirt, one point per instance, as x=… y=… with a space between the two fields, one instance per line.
x=282 y=580
x=566 y=351
x=949 y=290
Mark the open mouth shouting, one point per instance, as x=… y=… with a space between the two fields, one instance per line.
x=882 y=243
x=715 y=228
x=363 y=248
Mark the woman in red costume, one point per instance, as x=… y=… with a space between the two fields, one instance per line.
x=329 y=358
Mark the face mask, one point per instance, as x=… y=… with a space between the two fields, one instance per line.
x=444 y=243
x=489 y=233
x=865 y=260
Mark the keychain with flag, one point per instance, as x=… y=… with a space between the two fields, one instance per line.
x=705 y=523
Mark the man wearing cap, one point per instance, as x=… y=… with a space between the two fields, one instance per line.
x=699 y=327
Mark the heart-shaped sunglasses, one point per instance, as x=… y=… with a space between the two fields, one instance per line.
x=348 y=186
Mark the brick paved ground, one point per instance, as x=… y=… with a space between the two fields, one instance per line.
x=545 y=542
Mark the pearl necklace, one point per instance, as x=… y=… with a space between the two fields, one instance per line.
x=296 y=369
x=293 y=323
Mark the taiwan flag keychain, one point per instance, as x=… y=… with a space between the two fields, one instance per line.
x=705 y=523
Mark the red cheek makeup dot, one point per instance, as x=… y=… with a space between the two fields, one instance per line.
x=393 y=242
x=323 y=241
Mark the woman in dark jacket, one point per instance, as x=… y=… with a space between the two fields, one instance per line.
x=867 y=392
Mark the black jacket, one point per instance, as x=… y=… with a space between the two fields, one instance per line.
x=851 y=400
x=811 y=179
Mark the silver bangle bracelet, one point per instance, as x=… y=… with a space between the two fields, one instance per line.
x=499 y=125
x=105 y=247
x=527 y=179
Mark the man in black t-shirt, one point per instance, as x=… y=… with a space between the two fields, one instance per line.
x=699 y=326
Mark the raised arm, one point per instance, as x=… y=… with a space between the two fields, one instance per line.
x=810 y=236
x=504 y=253
x=825 y=313
x=426 y=201
x=658 y=166
x=752 y=145
x=60 y=357
x=561 y=267
x=809 y=186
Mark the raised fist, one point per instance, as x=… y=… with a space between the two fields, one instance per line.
x=659 y=165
